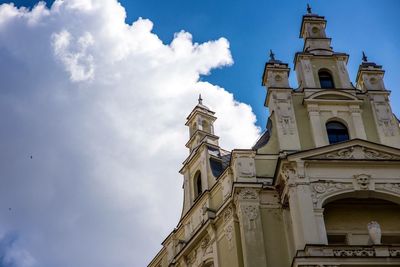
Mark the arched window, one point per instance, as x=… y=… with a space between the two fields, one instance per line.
x=325 y=79
x=337 y=132
x=198 y=187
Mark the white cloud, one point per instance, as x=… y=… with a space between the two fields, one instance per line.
x=100 y=106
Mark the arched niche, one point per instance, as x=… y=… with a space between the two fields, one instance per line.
x=197 y=184
x=346 y=217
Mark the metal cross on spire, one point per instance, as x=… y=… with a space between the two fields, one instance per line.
x=309 y=9
x=364 y=57
x=200 y=100
x=271 y=55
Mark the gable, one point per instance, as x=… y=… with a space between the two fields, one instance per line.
x=355 y=149
x=357 y=152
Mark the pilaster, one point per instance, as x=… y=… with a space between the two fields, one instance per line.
x=386 y=123
x=357 y=122
x=316 y=127
x=251 y=231
x=280 y=103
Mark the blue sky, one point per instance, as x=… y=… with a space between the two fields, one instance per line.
x=254 y=27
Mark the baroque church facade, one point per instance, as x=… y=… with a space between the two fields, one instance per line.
x=321 y=186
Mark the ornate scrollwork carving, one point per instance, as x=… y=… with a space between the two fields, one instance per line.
x=251 y=213
x=394 y=252
x=284 y=112
x=248 y=194
x=206 y=245
x=229 y=235
x=322 y=189
x=391 y=187
x=358 y=152
x=227 y=215
x=354 y=252
x=385 y=118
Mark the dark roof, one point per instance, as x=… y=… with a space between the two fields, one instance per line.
x=263 y=140
x=219 y=160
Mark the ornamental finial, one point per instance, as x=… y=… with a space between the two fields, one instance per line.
x=308 y=9
x=364 y=57
x=200 y=100
x=271 y=55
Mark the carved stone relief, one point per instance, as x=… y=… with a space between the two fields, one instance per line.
x=385 y=118
x=357 y=152
x=284 y=112
x=245 y=167
x=198 y=255
x=229 y=236
x=228 y=214
x=391 y=187
x=206 y=246
x=251 y=213
x=248 y=194
x=363 y=181
x=288 y=173
x=325 y=188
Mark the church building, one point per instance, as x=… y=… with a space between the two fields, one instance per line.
x=321 y=186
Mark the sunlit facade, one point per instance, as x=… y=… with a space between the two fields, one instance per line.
x=321 y=186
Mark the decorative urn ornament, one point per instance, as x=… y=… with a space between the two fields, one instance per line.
x=375 y=233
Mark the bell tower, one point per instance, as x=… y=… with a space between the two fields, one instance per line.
x=280 y=102
x=318 y=65
x=370 y=82
x=201 y=126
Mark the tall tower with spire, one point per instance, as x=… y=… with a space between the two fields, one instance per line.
x=321 y=186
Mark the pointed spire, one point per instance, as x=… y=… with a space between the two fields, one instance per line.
x=200 y=100
x=364 y=57
x=271 y=55
x=309 y=9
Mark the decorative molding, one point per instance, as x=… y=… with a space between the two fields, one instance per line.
x=355 y=110
x=394 y=252
x=284 y=112
x=251 y=213
x=385 y=118
x=391 y=187
x=227 y=214
x=313 y=108
x=322 y=189
x=354 y=252
x=229 y=235
x=206 y=245
x=248 y=194
x=357 y=152
x=245 y=167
